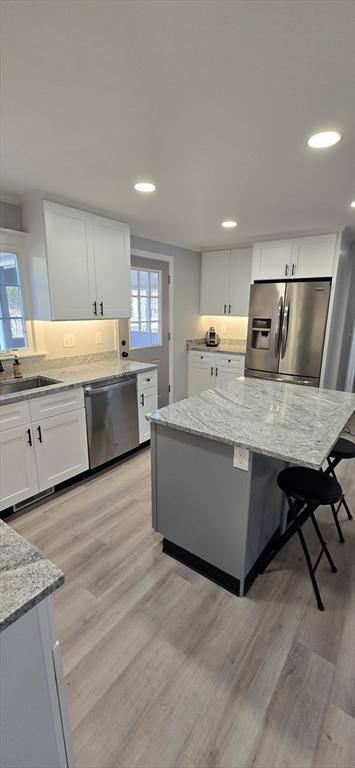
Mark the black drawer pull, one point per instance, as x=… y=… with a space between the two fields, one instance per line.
x=39 y=434
x=29 y=437
x=101 y=308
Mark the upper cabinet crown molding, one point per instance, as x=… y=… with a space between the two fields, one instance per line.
x=301 y=257
x=225 y=282
x=78 y=263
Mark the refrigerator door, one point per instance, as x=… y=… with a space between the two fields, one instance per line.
x=264 y=326
x=303 y=328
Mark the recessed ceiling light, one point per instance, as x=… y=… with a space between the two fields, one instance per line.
x=144 y=186
x=352 y=204
x=324 y=139
x=229 y=224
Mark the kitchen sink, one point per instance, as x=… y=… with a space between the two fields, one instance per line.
x=22 y=385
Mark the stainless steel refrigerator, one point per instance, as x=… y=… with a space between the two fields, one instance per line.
x=286 y=330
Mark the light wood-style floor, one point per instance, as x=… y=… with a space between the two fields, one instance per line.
x=164 y=669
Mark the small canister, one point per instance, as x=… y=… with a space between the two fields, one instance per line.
x=17 y=366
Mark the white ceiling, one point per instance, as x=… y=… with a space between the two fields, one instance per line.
x=212 y=99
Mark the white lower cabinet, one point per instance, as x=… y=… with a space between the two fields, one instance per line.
x=147 y=399
x=18 y=470
x=41 y=453
x=61 y=447
x=209 y=369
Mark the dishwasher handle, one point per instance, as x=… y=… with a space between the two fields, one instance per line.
x=91 y=391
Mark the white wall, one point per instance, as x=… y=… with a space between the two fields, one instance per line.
x=48 y=337
x=187 y=267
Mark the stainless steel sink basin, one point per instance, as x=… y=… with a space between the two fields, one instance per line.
x=22 y=385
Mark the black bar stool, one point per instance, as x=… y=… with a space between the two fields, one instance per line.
x=305 y=490
x=343 y=449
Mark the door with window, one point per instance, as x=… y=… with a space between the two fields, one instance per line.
x=149 y=322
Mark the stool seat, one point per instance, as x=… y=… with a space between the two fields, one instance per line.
x=343 y=449
x=309 y=485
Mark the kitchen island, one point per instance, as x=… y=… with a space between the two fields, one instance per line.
x=215 y=461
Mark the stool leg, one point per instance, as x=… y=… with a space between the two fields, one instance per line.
x=310 y=570
x=347 y=509
x=335 y=515
x=324 y=546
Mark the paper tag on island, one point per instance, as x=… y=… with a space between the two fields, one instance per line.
x=241 y=458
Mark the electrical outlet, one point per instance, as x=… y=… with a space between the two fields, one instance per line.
x=68 y=340
x=98 y=337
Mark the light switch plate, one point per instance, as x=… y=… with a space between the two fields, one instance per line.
x=241 y=458
x=68 y=340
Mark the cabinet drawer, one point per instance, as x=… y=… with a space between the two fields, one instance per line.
x=14 y=414
x=147 y=380
x=196 y=356
x=232 y=361
x=56 y=403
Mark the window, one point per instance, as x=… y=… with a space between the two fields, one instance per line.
x=12 y=322
x=145 y=322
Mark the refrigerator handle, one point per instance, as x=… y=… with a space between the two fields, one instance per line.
x=278 y=326
x=284 y=332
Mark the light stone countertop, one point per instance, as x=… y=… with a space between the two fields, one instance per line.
x=26 y=576
x=71 y=376
x=290 y=422
x=225 y=347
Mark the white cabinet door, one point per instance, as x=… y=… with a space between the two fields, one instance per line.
x=18 y=473
x=61 y=447
x=201 y=375
x=112 y=268
x=272 y=261
x=228 y=369
x=239 y=282
x=215 y=269
x=147 y=402
x=70 y=259
x=313 y=256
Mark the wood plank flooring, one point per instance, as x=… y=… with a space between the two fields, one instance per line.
x=166 y=670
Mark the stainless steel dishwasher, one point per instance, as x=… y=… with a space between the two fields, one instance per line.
x=111 y=418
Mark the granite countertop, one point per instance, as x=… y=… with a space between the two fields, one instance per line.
x=73 y=376
x=226 y=346
x=296 y=424
x=26 y=576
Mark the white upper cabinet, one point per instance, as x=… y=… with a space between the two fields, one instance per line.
x=301 y=257
x=215 y=267
x=112 y=267
x=313 y=256
x=272 y=261
x=70 y=259
x=225 y=282
x=78 y=263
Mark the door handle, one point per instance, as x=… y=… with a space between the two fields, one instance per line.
x=101 y=308
x=142 y=398
x=278 y=324
x=39 y=434
x=29 y=436
x=225 y=309
x=230 y=307
x=285 y=323
x=95 y=308
x=286 y=270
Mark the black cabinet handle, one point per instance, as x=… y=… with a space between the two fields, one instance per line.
x=142 y=398
x=286 y=270
x=293 y=269
x=147 y=379
x=211 y=370
x=39 y=434
x=216 y=371
x=225 y=308
x=29 y=437
x=230 y=307
x=101 y=308
x=95 y=308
